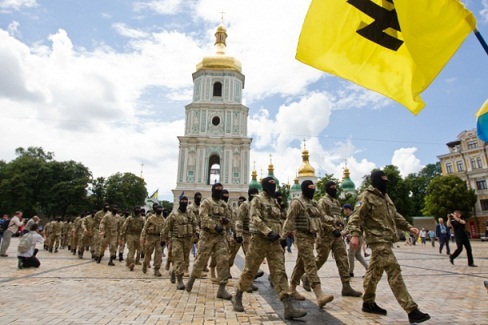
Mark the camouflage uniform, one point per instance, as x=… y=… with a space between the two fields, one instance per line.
x=180 y=229
x=151 y=236
x=88 y=228
x=211 y=214
x=64 y=234
x=131 y=234
x=96 y=237
x=47 y=234
x=77 y=234
x=242 y=225
x=120 y=243
x=108 y=235
x=55 y=238
x=376 y=214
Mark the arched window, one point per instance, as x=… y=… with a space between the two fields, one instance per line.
x=217 y=89
x=213 y=170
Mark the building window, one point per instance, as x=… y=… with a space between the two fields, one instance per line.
x=473 y=164
x=481 y=185
x=216 y=120
x=484 y=205
x=480 y=163
x=449 y=168
x=472 y=144
x=217 y=89
x=459 y=166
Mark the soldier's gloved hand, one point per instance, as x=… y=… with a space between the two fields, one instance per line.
x=218 y=229
x=336 y=233
x=239 y=239
x=225 y=221
x=283 y=243
x=162 y=243
x=273 y=236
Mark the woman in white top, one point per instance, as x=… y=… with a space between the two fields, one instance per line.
x=29 y=259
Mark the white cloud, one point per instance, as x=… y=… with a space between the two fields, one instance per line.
x=159 y=6
x=7 y=5
x=484 y=11
x=126 y=31
x=405 y=160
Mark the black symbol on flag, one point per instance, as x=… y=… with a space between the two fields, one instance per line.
x=383 y=19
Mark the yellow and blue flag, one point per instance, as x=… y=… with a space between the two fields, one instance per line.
x=394 y=48
x=482 y=122
x=155 y=194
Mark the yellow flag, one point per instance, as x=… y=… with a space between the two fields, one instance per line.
x=394 y=49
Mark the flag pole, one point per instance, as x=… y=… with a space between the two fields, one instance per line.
x=481 y=40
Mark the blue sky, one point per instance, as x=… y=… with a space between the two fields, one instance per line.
x=105 y=83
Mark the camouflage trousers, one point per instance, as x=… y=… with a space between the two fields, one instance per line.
x=235 y=246
x=74 y=241
x=180 y=251
x=54 y=241
x=96 y=242
x=120 y=247
x=134 y=246
x=260 y=248
x=324 y=246
x=111 y=242
x=209 y=244
x=153 y=245
x=383 y=259
x=306 y=262
x=86 y=241
x=233 y=249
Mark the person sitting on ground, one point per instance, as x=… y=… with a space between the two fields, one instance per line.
x=29 y=259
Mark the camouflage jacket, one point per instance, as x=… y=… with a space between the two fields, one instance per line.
x=180 y=225
x=303 y=215
x=331 y=210
x=133 y=225
x=243 y=219
x=376 y=214
x=153 y=226
x=211 y=214
x=109 y=225
x=265 y=215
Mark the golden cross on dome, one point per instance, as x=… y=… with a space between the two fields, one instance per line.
x=222 y=16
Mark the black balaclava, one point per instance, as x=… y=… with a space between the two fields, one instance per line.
x=329 y=190
x=137 y=211
x=155 y=206
x=106 y=207
x=115 y=209
x=126 y=213
x=306 y=191
x=197 y=198
x=225 y=195
x=377 y=181
x=242 y=199
x=269 y=185
x=251 y=193
x=158 y=210
x=217 y=193
x=165 y=213
x=143 y=212
x=183 y=204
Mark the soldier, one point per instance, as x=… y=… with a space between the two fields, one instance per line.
x=121 y=243
x=131 y=234
x=47 y=234
x=77 y=233
x=55 y=238
x=88 y=231
x=194 y=207
x=243 y=236
x=64 y=233
x=96 y=236
x=180 y=228
x=330 y=238
x=266 y=228
x=303 y=218
x=151 y=239
x=376 y=215
x=213 y=220
x=108 y=235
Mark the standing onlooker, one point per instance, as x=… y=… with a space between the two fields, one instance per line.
x=408 y=239
x=431 y=235
x=30 y=222
x=423 y=235
x=442 y=233
x=29 y=259
x=457 y=222
x=3 y=225
x=12 y=229
x=453 y=238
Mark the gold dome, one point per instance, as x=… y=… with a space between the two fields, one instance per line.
x=306 y=170
x=220 y=60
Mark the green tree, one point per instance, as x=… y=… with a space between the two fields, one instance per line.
x=98 y=193
x=167 y=205
x=125 y=190
x=285 y=192
x=417 y=184
x=446 y=194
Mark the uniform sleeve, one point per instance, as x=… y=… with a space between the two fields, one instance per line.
x=361 y=211
x=294 y=209
x=326 y=221
x=167 y=231
x=144 y=229
x=256 y=216
x=194 y=222
x=402 y=223
x=102 y=224
x=241 y=213
x=125 y=226
x=205 y=220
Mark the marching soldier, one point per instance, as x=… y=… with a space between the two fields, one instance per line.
x=108 y=235
x=96 y=237
x=131 y=234
x=151 y=239
x=88 y=231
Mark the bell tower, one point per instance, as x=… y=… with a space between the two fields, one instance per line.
x=215 y=147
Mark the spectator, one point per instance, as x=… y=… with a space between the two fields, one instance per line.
x=408 y=239
x=431 y=235
x=29 y=259
x=28 y=225
x=423 y=235
x=457 y=222
x=442 y=233
x=13 y=228
x=3 y=225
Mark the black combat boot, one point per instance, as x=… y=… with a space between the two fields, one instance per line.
x=306 y=283
x=373 y=308
x=237 y=301
x=80 y=255
x=416 y=316
x=290 y=311
x=180 y=285
x=111 y=261
x=189 y=284
x=98 y=259
x=222 y=293
x=121 y=257
x=173 y=277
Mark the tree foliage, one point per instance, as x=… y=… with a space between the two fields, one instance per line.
x=446 y=194
x=126 y=190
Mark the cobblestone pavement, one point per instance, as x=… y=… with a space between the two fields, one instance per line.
x=67 y=290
